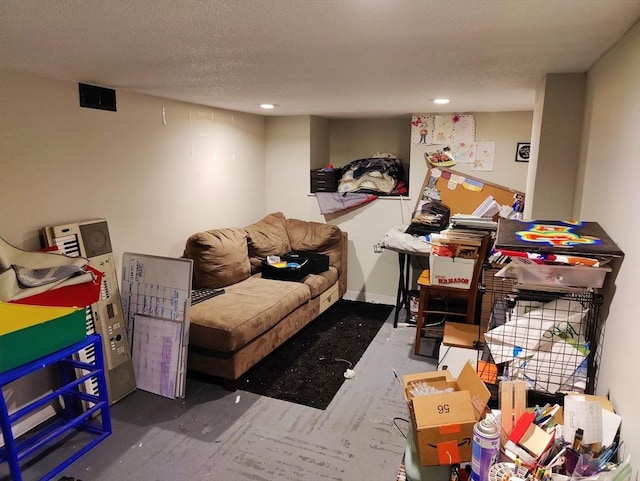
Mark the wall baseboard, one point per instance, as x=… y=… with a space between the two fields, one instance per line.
x=367 y=297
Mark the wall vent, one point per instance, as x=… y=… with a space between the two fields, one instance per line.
x=94 y=97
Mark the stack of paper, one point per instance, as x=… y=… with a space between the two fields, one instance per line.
x=488 y=208
x=473 y=222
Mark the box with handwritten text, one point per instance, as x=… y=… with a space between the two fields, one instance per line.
x=443 y=412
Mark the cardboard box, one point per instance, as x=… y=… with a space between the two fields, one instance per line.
x=443 y=423
x=460 y=334
x=454 y=359
x=451 y=271
x=30 y=332
x=532 y=448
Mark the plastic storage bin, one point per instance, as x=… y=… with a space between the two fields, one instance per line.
x=574 y=276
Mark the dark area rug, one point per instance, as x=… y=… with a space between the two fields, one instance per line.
x=309 y=368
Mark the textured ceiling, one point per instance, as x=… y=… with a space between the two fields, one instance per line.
x=332 y=58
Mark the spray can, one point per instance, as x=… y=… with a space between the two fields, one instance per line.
x=485 y=449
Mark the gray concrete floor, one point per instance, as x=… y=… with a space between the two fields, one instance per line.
x=215 y=434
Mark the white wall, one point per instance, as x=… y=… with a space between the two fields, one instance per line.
x=287 y=161
x=608 y=193
x=319 y=132
x=155 y=184
x=557 y=151
x=352 y=139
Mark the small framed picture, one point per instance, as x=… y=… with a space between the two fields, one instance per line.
x=522 y=152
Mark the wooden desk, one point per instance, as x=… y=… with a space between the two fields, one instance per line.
x=404 y=271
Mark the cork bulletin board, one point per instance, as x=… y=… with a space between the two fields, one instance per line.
x=463 y=193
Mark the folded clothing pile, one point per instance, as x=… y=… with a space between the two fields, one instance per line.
x=380 y=174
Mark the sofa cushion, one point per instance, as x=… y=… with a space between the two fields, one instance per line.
x=220 y=257
x=318 y=283
x=245 y=310
x=267 y=237
x=316 y=237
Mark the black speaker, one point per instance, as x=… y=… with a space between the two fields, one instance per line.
x=94 y=97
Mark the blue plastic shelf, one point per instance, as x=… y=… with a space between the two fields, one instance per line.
x=79 y=413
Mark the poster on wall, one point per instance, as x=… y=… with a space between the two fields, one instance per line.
x=523 y=151
x=464 y=128
x=444 y=130
x=485 y=153
x=422 y=129
x=449 y=129
x=464 y=152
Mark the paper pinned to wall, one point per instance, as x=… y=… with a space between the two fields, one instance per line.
x=444 y=130
x=457 y=131
x=422 y=129
x=485 y=154
x=464 y=152
x=464 y=130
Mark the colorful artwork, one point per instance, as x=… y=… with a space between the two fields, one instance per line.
x=473 y=185
x=444 y=129
x=464 y=128
x=422 y=129
x=451 y=129
x=485 y=153
x=464 y=152
x=557 y=235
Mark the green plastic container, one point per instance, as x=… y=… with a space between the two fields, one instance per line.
x=31 y=332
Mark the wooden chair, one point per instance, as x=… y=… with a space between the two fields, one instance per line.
x=429 y=293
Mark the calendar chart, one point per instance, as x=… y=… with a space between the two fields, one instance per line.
x=156 y=295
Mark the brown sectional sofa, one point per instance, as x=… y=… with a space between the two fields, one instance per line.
x=231 y=332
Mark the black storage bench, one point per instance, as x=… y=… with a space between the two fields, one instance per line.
x=318 y=263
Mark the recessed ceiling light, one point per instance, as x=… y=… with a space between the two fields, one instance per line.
x=441 y=101
x=267 y=106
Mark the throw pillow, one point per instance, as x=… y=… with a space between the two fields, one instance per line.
x=219 y=257
x=267 y=237
x=316 y=237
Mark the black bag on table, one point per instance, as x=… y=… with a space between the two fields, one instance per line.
x=432 y=216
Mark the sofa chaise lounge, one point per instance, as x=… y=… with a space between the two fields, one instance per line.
x=232 y=332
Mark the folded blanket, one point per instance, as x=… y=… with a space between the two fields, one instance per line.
x=396 y=239
x=24 y=274
x=330 y=202
x=40 y=277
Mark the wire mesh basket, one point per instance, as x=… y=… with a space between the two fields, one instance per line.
x=549 y=339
